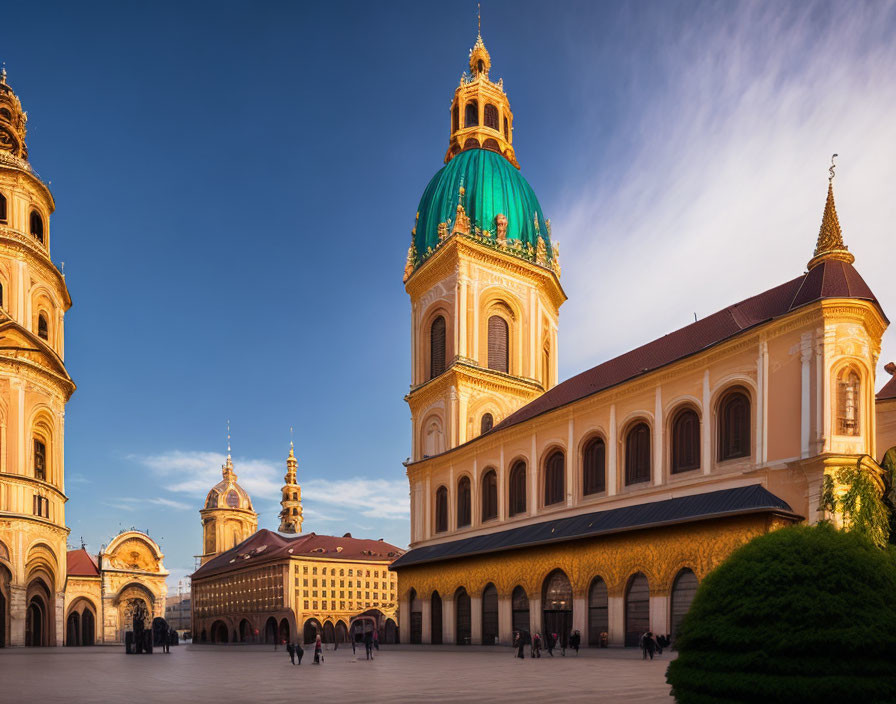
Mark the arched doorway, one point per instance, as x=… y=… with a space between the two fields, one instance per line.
x=436 y=619
x=36 y=623
x=219 y=632
x=284 y=631
x=270 y=631
x=88 y=627
x=519 y=604
x=391 y=630
x=245 y=631
x=416 y=607
x=598 y=613
x=329 y=632
x=683 y=590
x=341 y=632
x=73 y=629
x=490 y=615
x=637 y=609
x=311 y=629
x=557 y=609
x=462 y=617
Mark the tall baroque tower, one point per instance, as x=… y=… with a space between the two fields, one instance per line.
x=228 y=517
x=34 y=388
x=291 y=501
x=483 y=277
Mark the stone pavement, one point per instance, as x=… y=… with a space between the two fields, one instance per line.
x=404 y=674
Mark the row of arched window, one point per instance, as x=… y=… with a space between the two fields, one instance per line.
x=557 y=606
x=35 y=220
x=43 y=327
x=498 y=345
x=734 y=441
x=490 y=117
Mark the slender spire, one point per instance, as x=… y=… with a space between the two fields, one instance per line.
x=830 y=245
x=291 y=501
x=227 y=469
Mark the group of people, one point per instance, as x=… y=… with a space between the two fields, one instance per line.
x=370 y=639
x=651 y=644
x=297 y=652
x=522 y=638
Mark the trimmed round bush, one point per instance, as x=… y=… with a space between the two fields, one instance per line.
x=802 y=614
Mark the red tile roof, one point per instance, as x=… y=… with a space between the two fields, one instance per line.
x=267 y=546
x=81 y=564
x=888 y=391
x=830 y=279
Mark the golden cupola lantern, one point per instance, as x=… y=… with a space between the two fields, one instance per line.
x=830 y=244
x=480 y=112
x=12 y=121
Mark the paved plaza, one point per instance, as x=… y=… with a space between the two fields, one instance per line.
x=193 y=673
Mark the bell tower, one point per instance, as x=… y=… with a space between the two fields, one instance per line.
x=34 y=390
x=483 y=277
x=291 y=501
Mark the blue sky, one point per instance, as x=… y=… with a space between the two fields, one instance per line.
x=236 y=184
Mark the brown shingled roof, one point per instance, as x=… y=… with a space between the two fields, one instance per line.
x=888 y=391
x=80 y=563
x=830 y=279
x=267 y=546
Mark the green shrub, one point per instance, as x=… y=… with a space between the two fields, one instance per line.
x=802 y=614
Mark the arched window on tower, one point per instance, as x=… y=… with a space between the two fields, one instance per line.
x=594 y=467
x=3 y=208
x=685 y=441
x=506 y=130
x=637 y=454
x=40 y=460
x=489 y=495
x=491 y=117
x=517 y=488
x=848 y=389
x=554 y=472
x=37 y=226
x=437 y=347
x=455 y=118
x=1 y=295
x=43 y=329
x=441 y=509
x=487 y=423
x=471 y=114
x=464 y=502
x=734 y=425
x=498 y=339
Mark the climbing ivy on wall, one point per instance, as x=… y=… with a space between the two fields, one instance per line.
x=864 y=508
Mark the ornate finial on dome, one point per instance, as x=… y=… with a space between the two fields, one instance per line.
x=291 y=501
x=12 y=122
x=227 y=468
x=830 y=245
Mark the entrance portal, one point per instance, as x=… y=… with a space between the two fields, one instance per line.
x=557 y=600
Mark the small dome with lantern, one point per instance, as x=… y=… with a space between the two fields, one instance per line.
x=227 y=493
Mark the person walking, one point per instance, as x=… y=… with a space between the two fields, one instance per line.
x=368 y=644
x=318 y=654
x=536 y=646
x=292 y=653
x=575 y=640
x=520 y=644
x=300 y=651
x=550 y=642
x=649 y=647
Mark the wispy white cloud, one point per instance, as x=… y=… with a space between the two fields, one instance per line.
x=712 y=189
x=372 y=498
x=77 y=478
x=130 y=503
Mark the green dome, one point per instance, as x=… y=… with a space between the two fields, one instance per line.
x=492 y=186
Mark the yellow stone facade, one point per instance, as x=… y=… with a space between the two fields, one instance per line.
x=130 y=569
x=227 y=517
x=34 y=388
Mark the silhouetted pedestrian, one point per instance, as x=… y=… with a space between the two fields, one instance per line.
x=300 y=652
x=575 y=640
x=318 y=654
x=292 y=653
x=368 y=644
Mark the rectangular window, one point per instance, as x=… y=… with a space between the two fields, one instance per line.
x=306 y=604
x=305 y=569
x=324 y=606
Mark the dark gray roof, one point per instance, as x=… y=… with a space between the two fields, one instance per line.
x=696 y=507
